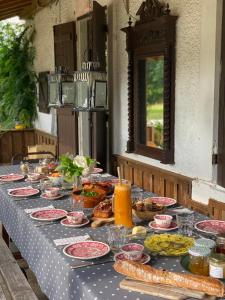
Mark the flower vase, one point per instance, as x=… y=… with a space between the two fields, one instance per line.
x=77 y=183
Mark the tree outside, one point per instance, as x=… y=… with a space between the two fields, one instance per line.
x=154 y=97
x=17 y=78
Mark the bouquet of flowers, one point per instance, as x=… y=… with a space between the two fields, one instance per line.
x=71 y=166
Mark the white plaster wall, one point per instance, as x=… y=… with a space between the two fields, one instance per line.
x=197 y=85
x=197 y=77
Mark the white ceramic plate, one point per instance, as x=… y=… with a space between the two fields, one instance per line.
x=44 y=196
x=165 y=201
x=11 y=177
x=87 y=250
x=23 y=192
x=48 y=214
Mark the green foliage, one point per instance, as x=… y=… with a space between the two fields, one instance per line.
x=75 y=166
x=17 y=78
x=67 y=166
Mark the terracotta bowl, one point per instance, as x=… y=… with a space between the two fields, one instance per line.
x=90 y=201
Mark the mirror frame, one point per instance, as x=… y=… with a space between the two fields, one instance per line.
x=154 y=34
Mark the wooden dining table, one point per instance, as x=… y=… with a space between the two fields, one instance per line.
x=60 y=276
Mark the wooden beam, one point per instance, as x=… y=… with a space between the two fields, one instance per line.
x=12 y=9
x=13 y=1
x=13 y=5
x=7 y=16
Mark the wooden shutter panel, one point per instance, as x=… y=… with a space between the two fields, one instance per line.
x=99 y=34
x=43 y=92
x=65 y=45
x=67 y=131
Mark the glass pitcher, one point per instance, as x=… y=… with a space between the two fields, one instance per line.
x=122 y=204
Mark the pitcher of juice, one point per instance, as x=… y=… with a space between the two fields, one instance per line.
x=123 y=204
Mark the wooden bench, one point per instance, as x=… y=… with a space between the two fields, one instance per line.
x=216 y=209
x=153 y=179
x=13 y=284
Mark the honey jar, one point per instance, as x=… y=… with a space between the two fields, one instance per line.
x=198 y=263
x=220 y=244
x=217 y=265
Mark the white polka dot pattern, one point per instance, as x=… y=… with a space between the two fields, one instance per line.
x=51 y=267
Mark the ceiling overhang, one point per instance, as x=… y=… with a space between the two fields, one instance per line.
x=21 y=8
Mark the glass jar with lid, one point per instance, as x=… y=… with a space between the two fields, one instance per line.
x=198 y=262
x=220 y=244
x=217 y=265
x=208 y=243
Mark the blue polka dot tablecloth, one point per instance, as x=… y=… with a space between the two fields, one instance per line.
x=54 y=272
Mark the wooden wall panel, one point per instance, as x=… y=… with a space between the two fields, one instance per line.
x=16 y=141
x=156 y=180
x=6 y=147
x=42 y=137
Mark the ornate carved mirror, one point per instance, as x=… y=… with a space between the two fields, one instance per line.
x=151 y=82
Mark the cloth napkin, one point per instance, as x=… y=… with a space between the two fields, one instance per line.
x=20 y=188
x=182 y=210
x=105 y=175
x=31 y=210
x=70 y=240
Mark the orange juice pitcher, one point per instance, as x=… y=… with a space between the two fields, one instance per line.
x=123 y=204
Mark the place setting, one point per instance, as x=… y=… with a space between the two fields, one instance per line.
x=23 y=192
x=12 y=177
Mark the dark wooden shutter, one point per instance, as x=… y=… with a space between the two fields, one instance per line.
x=67 y=131
x=43 y=92
x=65 y=45
x=221 y=127
x=99 y=34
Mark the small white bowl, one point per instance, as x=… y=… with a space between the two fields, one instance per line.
x=163 y=221
x=133 y=251
x=75 y=217
x=52 y=191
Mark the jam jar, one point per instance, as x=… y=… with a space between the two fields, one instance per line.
x=220 y=244
x=198 y=260
x=208 y=243
x=217 y=265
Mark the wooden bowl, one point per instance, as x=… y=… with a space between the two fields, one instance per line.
x=147 y=215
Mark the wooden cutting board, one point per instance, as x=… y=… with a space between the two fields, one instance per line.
x=163 y=291
x=97 y=222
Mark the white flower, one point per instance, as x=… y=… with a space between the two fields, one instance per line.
x=80 y=161
x=86 y=172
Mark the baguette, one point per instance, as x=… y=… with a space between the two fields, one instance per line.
x=134 y=270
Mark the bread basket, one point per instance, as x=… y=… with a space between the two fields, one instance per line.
x=147 y=215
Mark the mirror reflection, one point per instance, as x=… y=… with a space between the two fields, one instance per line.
x=151 y=92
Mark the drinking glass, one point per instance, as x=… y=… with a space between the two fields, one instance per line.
x=117 y=236
x=137 y=196
x=77 y=205
x=185 y=223
x=31 y=168
x=24 y=167
x=45 y=184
